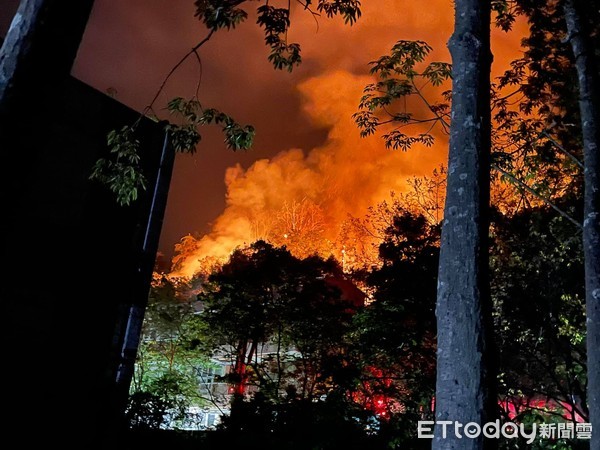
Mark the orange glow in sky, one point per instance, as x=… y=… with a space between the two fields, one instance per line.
x=308 y=150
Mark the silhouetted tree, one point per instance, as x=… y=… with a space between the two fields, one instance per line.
x=393 y=337
x=282 y=319
x=539 y=314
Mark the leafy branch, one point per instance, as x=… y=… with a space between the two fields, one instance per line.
x=121 y=171
x=399 y=78
x=121 y=174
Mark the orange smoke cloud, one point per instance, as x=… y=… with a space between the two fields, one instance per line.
x=347 y=174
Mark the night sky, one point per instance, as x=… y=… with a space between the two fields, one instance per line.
x=130 y=46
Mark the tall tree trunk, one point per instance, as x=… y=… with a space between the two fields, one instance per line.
x=40 y=48
x=589 y=105
x=463 y=311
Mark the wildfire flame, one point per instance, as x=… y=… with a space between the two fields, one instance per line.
x=302 y=199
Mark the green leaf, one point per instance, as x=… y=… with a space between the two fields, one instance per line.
x=121 y=172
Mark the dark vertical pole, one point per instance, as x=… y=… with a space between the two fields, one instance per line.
x=131 y=330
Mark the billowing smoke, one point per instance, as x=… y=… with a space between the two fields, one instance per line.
x=301 y=197
x=345 y=176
